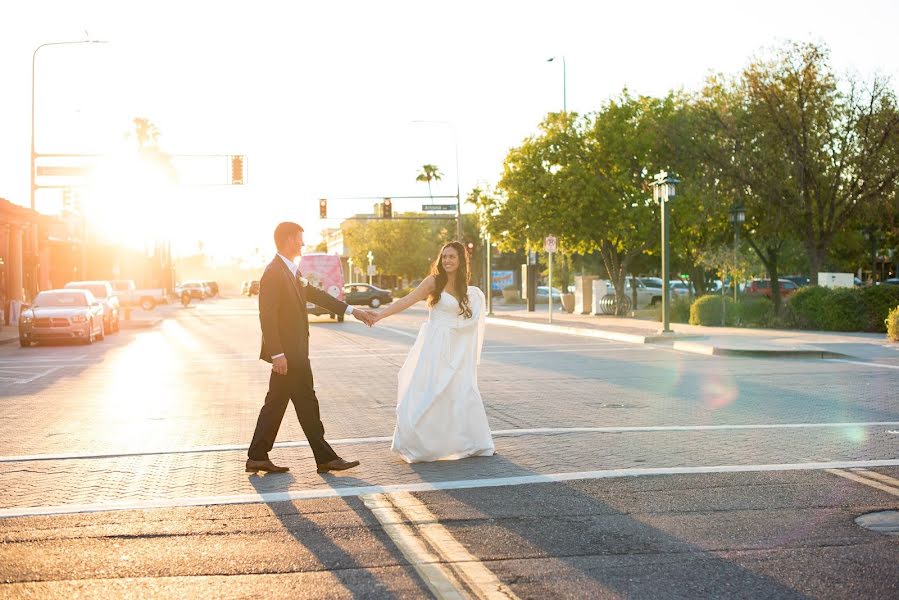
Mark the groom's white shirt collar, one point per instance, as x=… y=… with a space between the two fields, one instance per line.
x=290 y=265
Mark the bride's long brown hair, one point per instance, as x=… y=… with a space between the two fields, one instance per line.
x=463 y=275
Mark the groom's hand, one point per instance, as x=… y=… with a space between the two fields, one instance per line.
x=279 y=365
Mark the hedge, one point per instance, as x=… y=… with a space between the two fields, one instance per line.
x=680 y=310
x=841 y=309
x=756 y=312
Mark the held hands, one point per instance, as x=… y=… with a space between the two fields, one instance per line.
x=364 y=316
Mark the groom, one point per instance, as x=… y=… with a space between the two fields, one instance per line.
x=285 y=343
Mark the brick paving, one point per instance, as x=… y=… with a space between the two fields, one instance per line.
x=194 y=381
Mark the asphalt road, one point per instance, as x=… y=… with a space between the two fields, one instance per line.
x=623 y=471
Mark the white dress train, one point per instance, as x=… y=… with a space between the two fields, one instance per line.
x=440 y=414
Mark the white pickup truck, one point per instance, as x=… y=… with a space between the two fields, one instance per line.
x=131 y=296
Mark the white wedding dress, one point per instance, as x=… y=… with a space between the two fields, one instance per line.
x=440 y=414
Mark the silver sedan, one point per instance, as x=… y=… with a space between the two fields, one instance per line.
x=62 y=315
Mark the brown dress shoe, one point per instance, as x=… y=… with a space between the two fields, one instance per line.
x=338 y=464
x=264 y=465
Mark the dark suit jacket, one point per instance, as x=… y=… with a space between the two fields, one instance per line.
x=283 y=316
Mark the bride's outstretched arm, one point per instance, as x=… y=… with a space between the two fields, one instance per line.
x=416 y=295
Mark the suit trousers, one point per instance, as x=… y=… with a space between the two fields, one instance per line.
x=297 y=386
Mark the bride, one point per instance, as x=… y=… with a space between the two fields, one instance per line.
x=440 y=414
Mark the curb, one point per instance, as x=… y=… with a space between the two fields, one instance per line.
x=666 y=340
x=630 y=338
x=708 y=350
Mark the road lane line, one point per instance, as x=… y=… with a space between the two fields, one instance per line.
x=865 y=364
x=878 y=476
x=398 y=331
x=343 y=492
x=438 y=579
x=864 y=480
x=481 y=580
x=496 y=433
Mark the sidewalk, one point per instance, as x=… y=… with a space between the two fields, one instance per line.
x=733 y=341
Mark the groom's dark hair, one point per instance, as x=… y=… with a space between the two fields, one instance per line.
x=285 y=231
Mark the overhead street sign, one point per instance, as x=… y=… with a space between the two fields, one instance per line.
x=438 y=207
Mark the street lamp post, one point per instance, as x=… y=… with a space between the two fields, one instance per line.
x=564 y=82
x=371 y=261
x=489 y=274
x=349 y=263
x=458 y=196
x=663 y=189
x=34 y=154
x=737 y=217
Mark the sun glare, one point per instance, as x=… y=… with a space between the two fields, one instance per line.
x=130 y=200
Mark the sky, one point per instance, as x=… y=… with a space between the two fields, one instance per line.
x=326 y=99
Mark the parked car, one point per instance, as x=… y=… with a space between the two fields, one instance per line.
x=324 y=271
x=72 y=314
x=676 y=287
x=364 y=294
x=253 y=289
x=679 y=288
x=129 y=295
x=196 y=289
x=891 y=281
x=762 y=287
x=213 y=288
x=799 y=280
x=543 y=295
x=103 y=292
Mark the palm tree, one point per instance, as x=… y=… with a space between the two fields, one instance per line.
x=429 y=173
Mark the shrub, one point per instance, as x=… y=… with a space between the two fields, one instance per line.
x=399 y=293
x=892 y=324
x=511 y=286
x=707 y=310
x=680 y=310
x=845 y=311
x=806 y=307
x=878 y=300
x=755 y=312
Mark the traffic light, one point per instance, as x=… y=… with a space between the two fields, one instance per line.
x=67 y=205
x=323 y=208
x=237 y=170
x=388 y=208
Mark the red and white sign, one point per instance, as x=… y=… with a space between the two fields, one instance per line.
x=549 y=244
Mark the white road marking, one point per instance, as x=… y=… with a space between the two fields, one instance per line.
x=398 y=331
x=438 y=579
x=864 y=364
x=342 y=492
x=878 y=476
x=33 y=377
x=496 y=433
x=481 y=580
x=864 y=480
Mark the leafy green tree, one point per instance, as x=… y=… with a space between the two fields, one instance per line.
x=838 y=141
